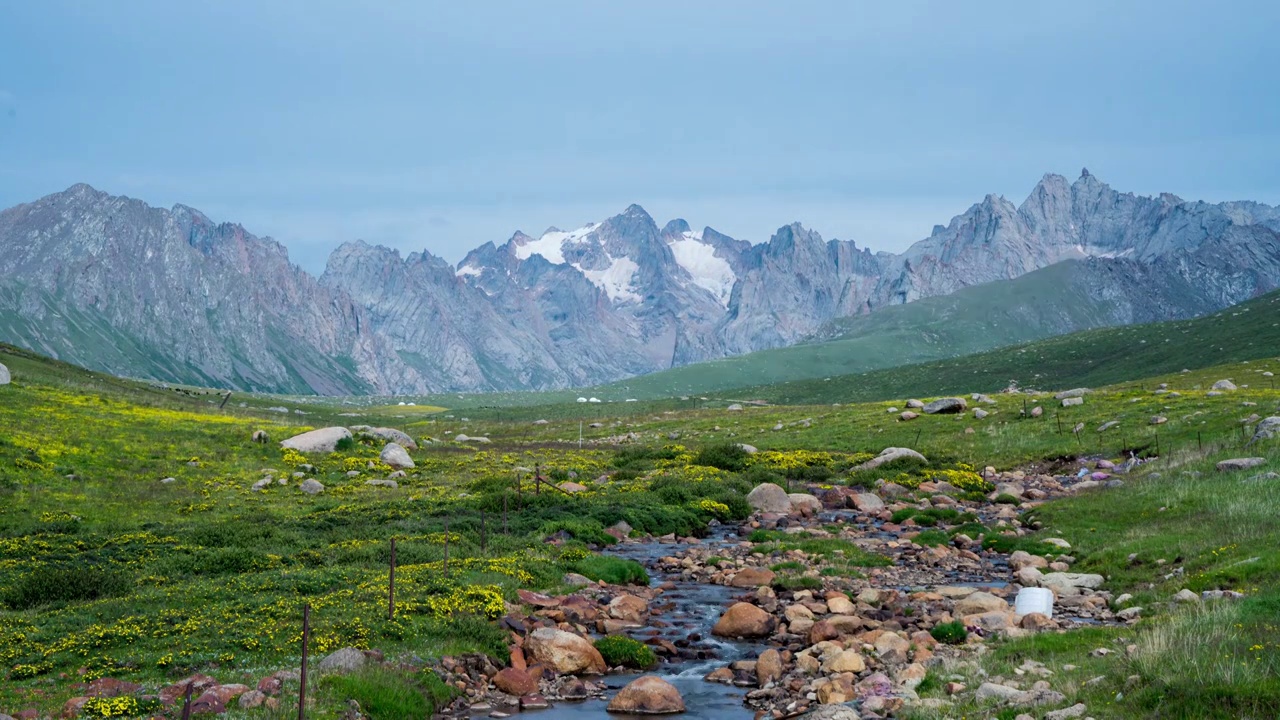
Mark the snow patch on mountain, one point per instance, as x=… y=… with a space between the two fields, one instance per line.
x=469 y=270
x=615 y=280
x=709 y=271
x=551 y=244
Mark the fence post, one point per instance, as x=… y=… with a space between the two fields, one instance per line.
x=302 y=678
x=186 y=702
x=391 y=585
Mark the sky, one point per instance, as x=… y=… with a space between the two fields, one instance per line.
x=444 y=125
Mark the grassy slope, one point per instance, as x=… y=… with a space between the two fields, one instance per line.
x=229 y=566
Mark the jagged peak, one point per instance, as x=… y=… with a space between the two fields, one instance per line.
x=634 y=209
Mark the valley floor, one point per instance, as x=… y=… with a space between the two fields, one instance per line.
x=135 y=547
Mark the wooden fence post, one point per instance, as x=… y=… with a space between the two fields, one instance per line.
x=302 y=678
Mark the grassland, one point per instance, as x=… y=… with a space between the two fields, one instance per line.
x=107 y=569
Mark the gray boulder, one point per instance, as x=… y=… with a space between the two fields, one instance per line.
x=324 y=440
x=946 y=406
x=1073 y=393
x=1068 y=402
x=311 y=486
x=1240 y=464
x=4 y=375
x=889 y=455
x=390 y=435
x=1224 y=385
x=767 y=497
x=1268 y=429
x=383 y=483
x=396 y=456
x=346 y=660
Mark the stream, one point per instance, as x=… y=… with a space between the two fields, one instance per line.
x=695 y=608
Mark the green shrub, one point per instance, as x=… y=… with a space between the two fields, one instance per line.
x=344 y=444
x=588 y=531
x=613 y=570
x=931 y=538
x=726 y=456
x=902 y=515
x=382 y=694
x=63 y=583
x=1007 y=499
x=951 y=633
x=788 y=565
x=796 y=582
x=621 y=650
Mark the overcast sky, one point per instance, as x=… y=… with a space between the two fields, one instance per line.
x=442 y=125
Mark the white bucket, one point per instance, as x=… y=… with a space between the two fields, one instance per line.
x=1034 y=600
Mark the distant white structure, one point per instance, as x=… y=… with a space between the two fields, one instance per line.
x=595 y=400
x=581 y=399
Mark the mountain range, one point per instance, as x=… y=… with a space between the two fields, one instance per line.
x=116 y=285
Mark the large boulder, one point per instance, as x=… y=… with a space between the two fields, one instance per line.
x=648 y=695
x=395 y=456
x=1062 y=581
x=1224 y=385
x=4 y=375
x=744 y=620
x=564 y=652
x=946 y=406
x=1073 y=393
x=311 y=486
x=768 y=667
x=767 y=497
x=888 y=455
x=324 y=440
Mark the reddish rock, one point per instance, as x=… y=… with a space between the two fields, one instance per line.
x=209 y=703
x=270 y=685
x=744 y=620
x=537 y=599
x=72 y=707
x=110 y=687
x=752 y=577
x=518 y=682
x=198 y=683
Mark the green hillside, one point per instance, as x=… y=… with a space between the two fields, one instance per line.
x=1242 y=332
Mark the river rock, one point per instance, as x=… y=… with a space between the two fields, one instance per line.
x=980 y=602
x=515 y=682
x=395 y=456
x=752 y=577
x=648 y=695
x=564 y=652
x=1061 y=580
x=844 y=661
x=867 y=502
x=324 y=440
x=889 y=455
x=946 y=406
x=804 y=503
x=628 y=607
x=768 y=667
x=767 y=497
x=1240 y=464
x=831 y=712
x=744 y=620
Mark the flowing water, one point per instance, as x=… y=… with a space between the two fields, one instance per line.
x=694 y=609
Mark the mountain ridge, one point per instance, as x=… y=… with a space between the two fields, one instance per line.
x=212 y=303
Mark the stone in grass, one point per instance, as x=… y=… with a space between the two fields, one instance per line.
x=324 y=440
x=1186 y=596
x=311 y=486
x=396 y=456
x=1240 y=464
x=1224 y=385
x=1268 y=429
x=1068 y=402
x=346 y=660
x=946 y=406
x=888 y=455
x=4 y=375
